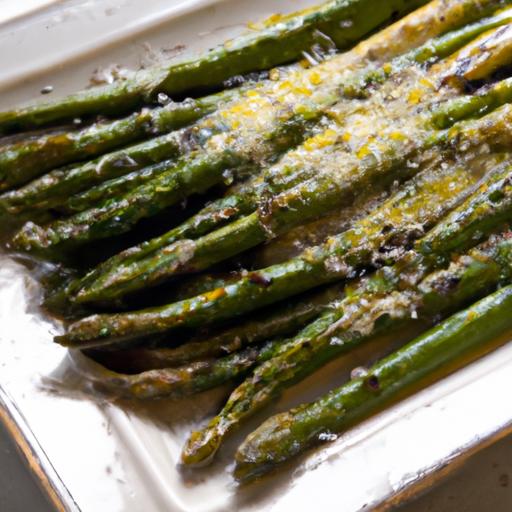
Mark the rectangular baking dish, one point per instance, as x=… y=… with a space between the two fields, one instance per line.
x=95 y=456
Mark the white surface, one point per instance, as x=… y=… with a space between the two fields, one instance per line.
x=114 y=459
x=120 y=459
x=10 y=9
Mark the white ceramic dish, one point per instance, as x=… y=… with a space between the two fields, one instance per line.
x=97 y=457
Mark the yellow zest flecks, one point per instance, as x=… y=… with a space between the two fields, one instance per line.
x=302 y=109
x=302 y=90
x=271 y=20
x=330 y=242
x=322 y=140
x=315 y=78
x=415 y=96
x=363 y=151
x=426 y=82
x=253 y=109
x=472 y=315
x=215 y=294
x=397 y=135
x=387 y=68
x=285 y=85
x=346 y=137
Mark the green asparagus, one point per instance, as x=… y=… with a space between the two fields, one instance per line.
x=54 y=188
x=288 y=434
x=306 y=103
x=377 y=304
x=24 y=161
x=416 y=123
x=469 y=277
x=286 y=319
x=375 y=45
x=277 y=42
x=344 y=176
x=183 y=381
x=338 y=258
x=407 y=136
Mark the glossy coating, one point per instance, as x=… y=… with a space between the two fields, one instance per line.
x=278 y=41
x=286 y=435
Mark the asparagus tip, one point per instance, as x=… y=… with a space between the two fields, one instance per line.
x=200 y=448
x=265 y=449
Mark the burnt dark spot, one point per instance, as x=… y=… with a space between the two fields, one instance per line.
x=496 y=196
x=306 y=344
x=372 y=381
x=453 y=281
x=379 y=262
x=437 y=318
x=386 y=229
x=189 y=139
x=469 y=87
x=259 y=279
x=234 y=81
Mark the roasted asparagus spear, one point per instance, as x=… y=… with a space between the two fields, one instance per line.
x=201 y=170
x=338 y=258
x=337 y=23
x=467 y=278
x=282 y=321
x=380 y=302
x=347 y=174
x=290 y=208
x=24 y=161
x=288 y=434
x=54 y=189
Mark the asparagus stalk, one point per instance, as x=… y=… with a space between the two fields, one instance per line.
x=306 y=200
x=241 y=201
x=182 y=381
x=276 y=43
x=290 y=208
x=302 y=101
x=51 y=190
x=375 y=305
x=421 y=202
x=481 y=64
x=244 y=201
x=109 y=189
x=174 y=184
x=480 y=270
x=361 y=84
x=21 y=162
x=54 y=188
x=285 y=320
x=222 y=150
x=474 y=105
x=212 y=216
x=288 y=434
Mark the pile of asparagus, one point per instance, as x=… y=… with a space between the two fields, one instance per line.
x=254 y=234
